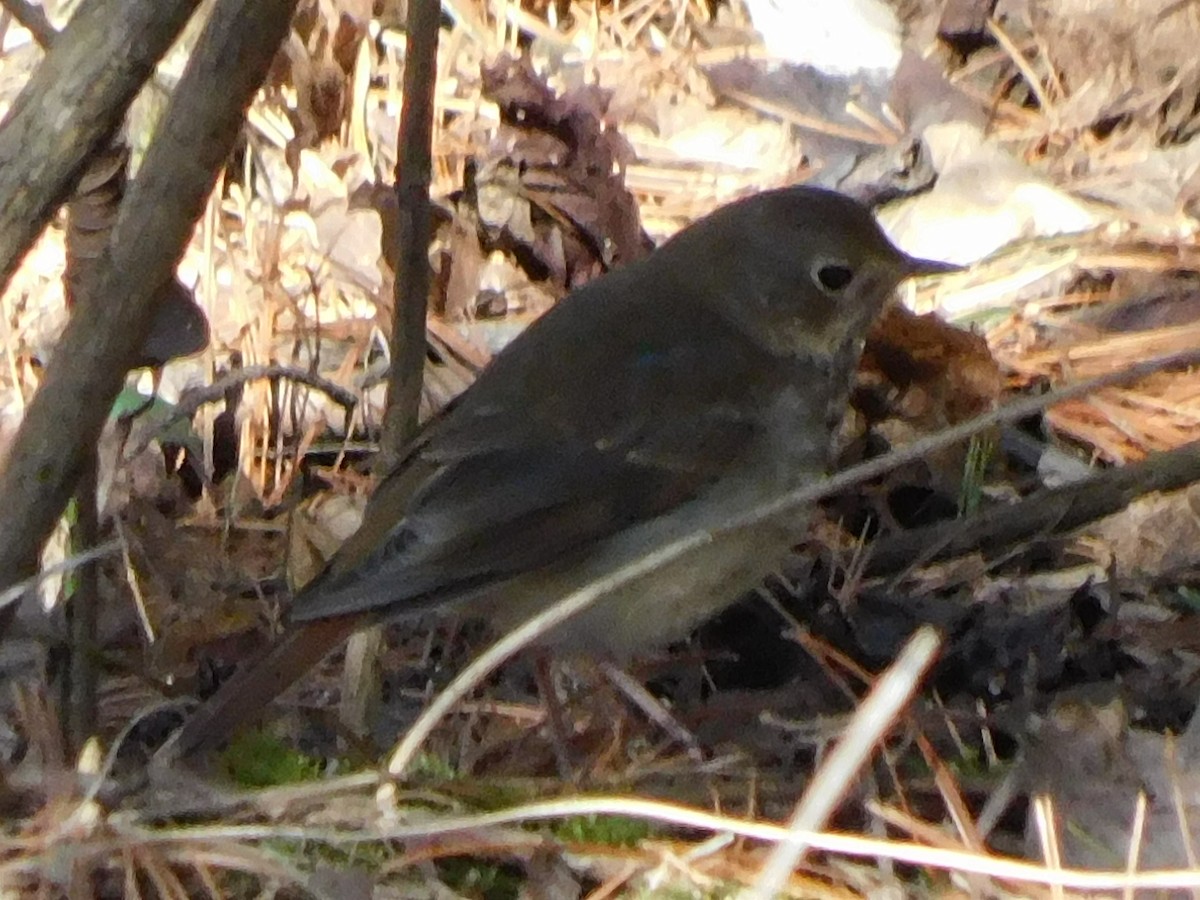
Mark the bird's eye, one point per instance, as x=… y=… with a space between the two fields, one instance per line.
x=833 y=277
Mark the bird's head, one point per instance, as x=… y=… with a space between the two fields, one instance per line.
x=802 y=270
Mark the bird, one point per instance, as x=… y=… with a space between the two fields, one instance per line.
x=672 y=395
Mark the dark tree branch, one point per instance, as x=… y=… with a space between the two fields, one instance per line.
x=410 y=301
x=32 y=19
x=1045 y=513
x=414 y=231
x=75 y=100
x=180 y=328
x=79 y=681
x=203 y=119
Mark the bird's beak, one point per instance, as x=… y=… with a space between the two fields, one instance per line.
x=914 y=267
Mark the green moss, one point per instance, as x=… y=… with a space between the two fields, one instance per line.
x=613 y=831
x=256 y=759
x=430 y=767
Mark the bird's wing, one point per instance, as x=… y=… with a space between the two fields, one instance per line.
x=504 y=485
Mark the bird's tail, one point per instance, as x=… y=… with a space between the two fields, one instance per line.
x=243 y=698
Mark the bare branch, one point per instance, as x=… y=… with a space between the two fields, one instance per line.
x=75 y=100
x=64 y=419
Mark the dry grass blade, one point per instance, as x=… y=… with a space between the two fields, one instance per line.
x=389 y=828
x=891 y=692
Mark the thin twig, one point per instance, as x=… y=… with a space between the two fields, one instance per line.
x=15 y=592
x=1005 y=415
x=413 y=273
x=193 y=398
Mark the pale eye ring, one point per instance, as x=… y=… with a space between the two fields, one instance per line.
x=832 y=276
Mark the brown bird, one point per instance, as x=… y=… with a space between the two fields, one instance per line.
x=674 y=395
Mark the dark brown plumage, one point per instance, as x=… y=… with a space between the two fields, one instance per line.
x=671 y=396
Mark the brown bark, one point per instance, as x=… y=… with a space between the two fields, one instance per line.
x=64 y=419
x=75 y=100
x=410 y=302
x=1049 y=512
x=414 y=232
